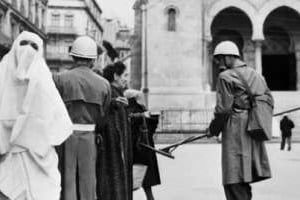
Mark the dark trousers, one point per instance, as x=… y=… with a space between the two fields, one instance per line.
x=238 y=191
x=78 y=167
x=288 y=139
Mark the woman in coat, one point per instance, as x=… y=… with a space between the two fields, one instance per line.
x=115 y=164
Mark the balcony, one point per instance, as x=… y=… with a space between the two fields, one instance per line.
x=62 y=30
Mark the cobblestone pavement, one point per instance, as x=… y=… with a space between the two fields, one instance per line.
x=195 y=174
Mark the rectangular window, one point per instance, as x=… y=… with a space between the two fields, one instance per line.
x=22 y=9
x=43 y=19
x=37 y=14
x=69 y=20
x=30 y=10
x=14 y=30
x=1 y=20
x=55 y=20
x=14 y=4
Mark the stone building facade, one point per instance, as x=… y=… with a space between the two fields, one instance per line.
x=119 y=36
x=175 y=40
x=66 y=20
x=16 y=16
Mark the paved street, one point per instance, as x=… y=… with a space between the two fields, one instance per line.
x=195 y=174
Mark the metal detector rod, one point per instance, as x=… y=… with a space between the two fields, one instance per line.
x=188 y=140
x=287 y=111
x=157 y=151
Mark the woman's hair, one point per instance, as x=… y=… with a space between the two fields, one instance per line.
x=116 y=68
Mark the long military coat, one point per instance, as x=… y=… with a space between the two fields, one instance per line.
x=243 y=159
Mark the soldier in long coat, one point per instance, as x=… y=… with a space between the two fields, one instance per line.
x=244 y=160
x=87 y=97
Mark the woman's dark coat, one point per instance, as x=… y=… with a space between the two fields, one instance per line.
x=115 y=160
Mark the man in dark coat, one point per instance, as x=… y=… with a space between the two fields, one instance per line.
x=286 y=126
x=244 y=160
x=87 y=97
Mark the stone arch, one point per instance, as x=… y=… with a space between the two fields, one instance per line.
x=229 y=24
x=268 y=7
x=215 y=8
x=280 y=50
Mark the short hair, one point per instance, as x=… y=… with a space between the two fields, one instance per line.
x=116 y=68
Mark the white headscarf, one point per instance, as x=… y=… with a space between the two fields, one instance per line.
x=32 y=113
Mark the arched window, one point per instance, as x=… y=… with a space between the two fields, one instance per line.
x=172 y=19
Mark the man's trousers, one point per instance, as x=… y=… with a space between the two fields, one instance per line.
x=238 y=191
x=78 y=167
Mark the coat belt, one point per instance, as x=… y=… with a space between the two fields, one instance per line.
x=84 y=127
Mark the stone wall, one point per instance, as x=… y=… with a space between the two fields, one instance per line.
x=179 y=63
x=175 y=57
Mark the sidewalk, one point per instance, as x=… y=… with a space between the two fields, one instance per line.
x=195 y=174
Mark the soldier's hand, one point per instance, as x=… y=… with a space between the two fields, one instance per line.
x=208 y=133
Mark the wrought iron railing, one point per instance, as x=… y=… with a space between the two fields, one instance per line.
x=179 y=120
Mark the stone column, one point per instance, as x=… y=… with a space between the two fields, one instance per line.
x=144 y=54
x=258 y=56
x=207 y=62
x=7 y=24
x=249 y=53
x=298 y=67
x=136 y=50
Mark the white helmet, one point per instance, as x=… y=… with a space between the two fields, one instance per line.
x=226 y=48
x=84 y=47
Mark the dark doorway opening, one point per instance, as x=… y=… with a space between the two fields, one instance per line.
x=279 y=49
x=280 y=71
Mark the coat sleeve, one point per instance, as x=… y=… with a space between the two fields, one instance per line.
x=223 y=107
x=107 y=100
